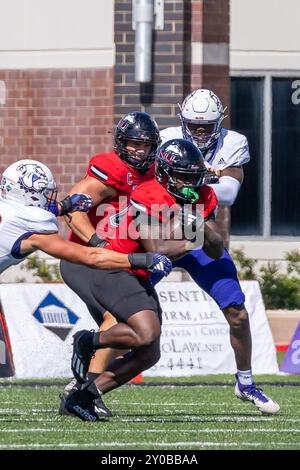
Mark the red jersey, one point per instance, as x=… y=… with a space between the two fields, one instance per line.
x=153 y=199
x=112 y=171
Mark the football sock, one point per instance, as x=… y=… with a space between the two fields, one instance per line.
x=96 y=340
x=91 y=390
x=245 y=377
x=91 y=376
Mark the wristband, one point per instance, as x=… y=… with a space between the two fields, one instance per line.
x=141 y=260
x=66 y=205
x=96 y=241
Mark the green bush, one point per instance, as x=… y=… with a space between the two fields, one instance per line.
x=244 y=265
x=45 y=272
x=279 y=289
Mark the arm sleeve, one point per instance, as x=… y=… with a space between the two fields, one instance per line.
x=226 y=190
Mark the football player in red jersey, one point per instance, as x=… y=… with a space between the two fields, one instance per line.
x=129 y=295
x=109 y=180
x=115 y=174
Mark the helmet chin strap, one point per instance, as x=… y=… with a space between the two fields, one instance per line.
x=190 y=193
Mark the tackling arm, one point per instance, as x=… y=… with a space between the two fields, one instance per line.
x=74 y=253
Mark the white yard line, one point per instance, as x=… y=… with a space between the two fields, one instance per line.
x=155 y=431
x=108 y=445
x=225 y=419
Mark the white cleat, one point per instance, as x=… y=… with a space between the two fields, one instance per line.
x=256 y=396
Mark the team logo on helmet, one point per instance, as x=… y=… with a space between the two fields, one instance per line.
x=217 y=101
x=32 y=177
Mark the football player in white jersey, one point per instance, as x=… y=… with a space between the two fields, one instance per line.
x=28 y=222
x=225 y=152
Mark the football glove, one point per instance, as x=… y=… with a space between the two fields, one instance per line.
x=77 y=202
x=161 y=265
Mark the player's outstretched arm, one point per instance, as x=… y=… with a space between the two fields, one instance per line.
x=69 y=251
x=95 y=257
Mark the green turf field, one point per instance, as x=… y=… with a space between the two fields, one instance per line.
x=154 y=417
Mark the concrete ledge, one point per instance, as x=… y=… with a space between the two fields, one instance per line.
x=283 y=324
x=265 y=250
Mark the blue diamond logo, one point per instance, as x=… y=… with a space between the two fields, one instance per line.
x=55 y=316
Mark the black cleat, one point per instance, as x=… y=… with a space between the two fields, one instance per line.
x=101 y=409
x=83 y=351
x=80 y=404
x=68 y=390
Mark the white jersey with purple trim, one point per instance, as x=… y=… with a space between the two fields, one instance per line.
x=231 y=149
x=18 y=222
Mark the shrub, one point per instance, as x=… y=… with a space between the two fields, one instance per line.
x=244 y=265
x=279 y=289
x=39 y=267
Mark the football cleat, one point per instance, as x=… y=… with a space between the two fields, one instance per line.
x=83 y=352
x=81 y=405
x=99 y=406
x=255 y=395
x=68 y=390
x=101 y=409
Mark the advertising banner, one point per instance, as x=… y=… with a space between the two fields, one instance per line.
x=41 y=319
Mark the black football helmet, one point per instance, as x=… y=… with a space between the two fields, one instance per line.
x=180 y=161
x=139 y=127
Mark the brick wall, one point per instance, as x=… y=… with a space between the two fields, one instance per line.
x=60 y=117
x=174 y=75
x=171 y=64
x=210 y=25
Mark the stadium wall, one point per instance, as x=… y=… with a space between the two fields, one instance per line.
x=56 y=76
x=67 y=74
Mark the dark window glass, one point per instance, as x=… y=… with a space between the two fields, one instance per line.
x=285 y=215
x=247 y=118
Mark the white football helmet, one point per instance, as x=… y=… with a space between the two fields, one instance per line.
x=201 y=116
x=30 y=183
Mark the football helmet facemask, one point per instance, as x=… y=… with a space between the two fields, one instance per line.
x=180 y=168
x=201 y=115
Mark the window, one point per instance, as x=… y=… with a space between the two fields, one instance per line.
x=285 y=160
x=262 y=108
x=246 y=118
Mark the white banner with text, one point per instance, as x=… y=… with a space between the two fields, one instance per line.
x=41 y=319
